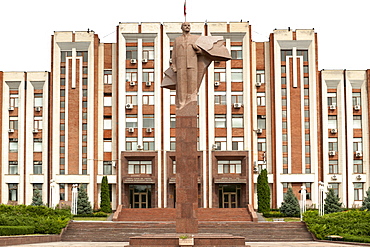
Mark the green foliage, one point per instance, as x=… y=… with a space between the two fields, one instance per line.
x=332 y=204
x=44 y=220
x=352 y=225
x=290 y=205
x=366 y=201
x=104 y=196
x=37 y=198
x=16 y=230
x=263 y=192
x=97 y=214
x=83 y=204
x=273 y=214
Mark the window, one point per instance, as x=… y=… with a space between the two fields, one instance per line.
x=304 y=54
x=84 y=93
x=333 y=144
x=37 y=124
x=83 y=54
x=173 y=99
x=62 y=92
x=305 y=69
x=357 y=144
x=13 y=123
x=13 y=145
x=84 y=126
x=148 y=75
x=357 y=166
x=332 y=99
x=229 y=166
x=38 y=99
x=332 y=122
x=107 y=145
x=261 y=122
x=62 y=149
x=283 y=80
x=357 y=122
x=62 y=195
x=260 y=76
x=237 y=143
x=13 y=167
x=131 y=99
x=172 y=143
x=131 y=143
x=107 y=167
x=13 y=192
x=237 y=99
x=220 y=143
x=358 y=191
x=140 y=167
x=37 y=145
x=148 y=143
x=84 y=149
x=284 y=54
x=220 y=99
x=131 y=52
x=107 y=123
x=62 y=115
x=261 y=99
x=13 y=100
x=107 y=76
x=84 y=104
x=356 y=99
x=333 y=166
x=148 y=52
x=37 y=187
x=220 y=121
x=283 y=69
x=172 y=121
x=131 y=121
x=148 y=121
x=220 y=75
x=148 y=99
x=237 y=121
x=131 y=75
x=236 y=75
x=236 y=52
x=65 y=54
x=261 y=144
x=37 y=167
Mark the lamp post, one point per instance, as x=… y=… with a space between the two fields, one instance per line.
x=53 y=194
x=74 y=199
x=303 y=201
x=321 y=198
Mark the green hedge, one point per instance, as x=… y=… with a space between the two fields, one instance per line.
x=273 y=214
x=16 y=230
x=44 y=220
x=97 y=214
x=352 y=225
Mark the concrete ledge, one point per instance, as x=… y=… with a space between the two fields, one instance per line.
x=28 y=239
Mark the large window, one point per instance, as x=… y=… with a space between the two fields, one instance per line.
x=107 y=123
x=13 y=100
x=335 y=188
x=107 y=167
x=107 y=100
x=38 y=99
x=37 y=145
x=357 y=166
x=37 y=167
x=261 y=122
x=139 y=167
x=13 y=192
x=260 y=76
x=356 y=99
x=131 y=99
x=148 y=143
x=148 y=75
x=13 y=123
x=220 y=143
x=148 y=52
x=13 y=145
x=131 y=121
x=107 y=147
x=304 y=54
x=357 y=122
x=261 y=99
x=357 y=144
x=107 y=76
x=237 y=121
x=148 y=99
x=131 y=143
x=229 y=166
x=220 y=99
x=261 y=144
x=237 y=143
x=333 y=144
x=236 y=98
x=13 y=167
x=358 y=191
x=332 y=122
x=332 y=99
x=148 y=121
x=131 y=75
x=333 y=166
x=236 y=75
x=236 y=52
x=131 y=52
x=284 y=54
x=220 y=121
x=220 y=75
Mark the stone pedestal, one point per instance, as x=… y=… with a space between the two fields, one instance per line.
x=186 y=169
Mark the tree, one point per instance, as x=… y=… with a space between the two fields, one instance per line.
x=263 y=192
x=366 y=201
x=331 y=203
x=37 y=198
x=290 y=205
x=83 y=204
x=104 y=196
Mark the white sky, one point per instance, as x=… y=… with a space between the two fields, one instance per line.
x=26 y=26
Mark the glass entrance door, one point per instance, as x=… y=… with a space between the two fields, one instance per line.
x=229 y=200
x=229 y=195
x=140 y=196
x=140 y=200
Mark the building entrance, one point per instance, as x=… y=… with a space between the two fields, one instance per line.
x=229 y=196
x=140 y=196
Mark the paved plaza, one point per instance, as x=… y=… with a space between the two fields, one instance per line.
x=252 y=244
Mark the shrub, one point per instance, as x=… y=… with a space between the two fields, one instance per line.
x=263 y=192
x=83 y=204
x=332 y=204
x=290 y=205
x=273 y=214
x=16 y=230
x=37 y=198
x=104 y=196
x=366 y=202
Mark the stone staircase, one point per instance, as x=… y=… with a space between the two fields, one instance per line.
x=107 y=231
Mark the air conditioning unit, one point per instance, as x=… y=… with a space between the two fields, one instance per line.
x=358 y=153
x=334 y=177
x=133 y=60
x=331 y=153
x=37 y=108
x=258 y=84
x=11 y=130
x=145 y=60
x=131 y=130
x=333 y=131
x=129 y=106
x=217 y=83
x=214 y=146
x=358 y=177
x=148 y=83
x=132 y=83
x=255 y=169
x=149 y=130
x=139 y=147
x=237 y=105
x=35 y=131
x=332 y=107
x=259 y=131
x=357 y=107
x=11 y=108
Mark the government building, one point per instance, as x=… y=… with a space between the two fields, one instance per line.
x=101 y=111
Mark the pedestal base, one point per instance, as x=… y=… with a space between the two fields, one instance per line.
x=199 y=239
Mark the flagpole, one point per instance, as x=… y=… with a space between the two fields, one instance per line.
x=185 y=10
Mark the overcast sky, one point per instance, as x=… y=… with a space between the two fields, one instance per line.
x=26 y=26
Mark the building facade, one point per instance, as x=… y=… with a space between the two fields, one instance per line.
x=101 y=111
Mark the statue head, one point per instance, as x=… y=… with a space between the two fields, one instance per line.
x=185 y=27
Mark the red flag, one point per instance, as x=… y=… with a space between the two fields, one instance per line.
x=185 y=9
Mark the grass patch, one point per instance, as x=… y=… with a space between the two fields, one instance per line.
x=286 y=219
x=89 y=218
